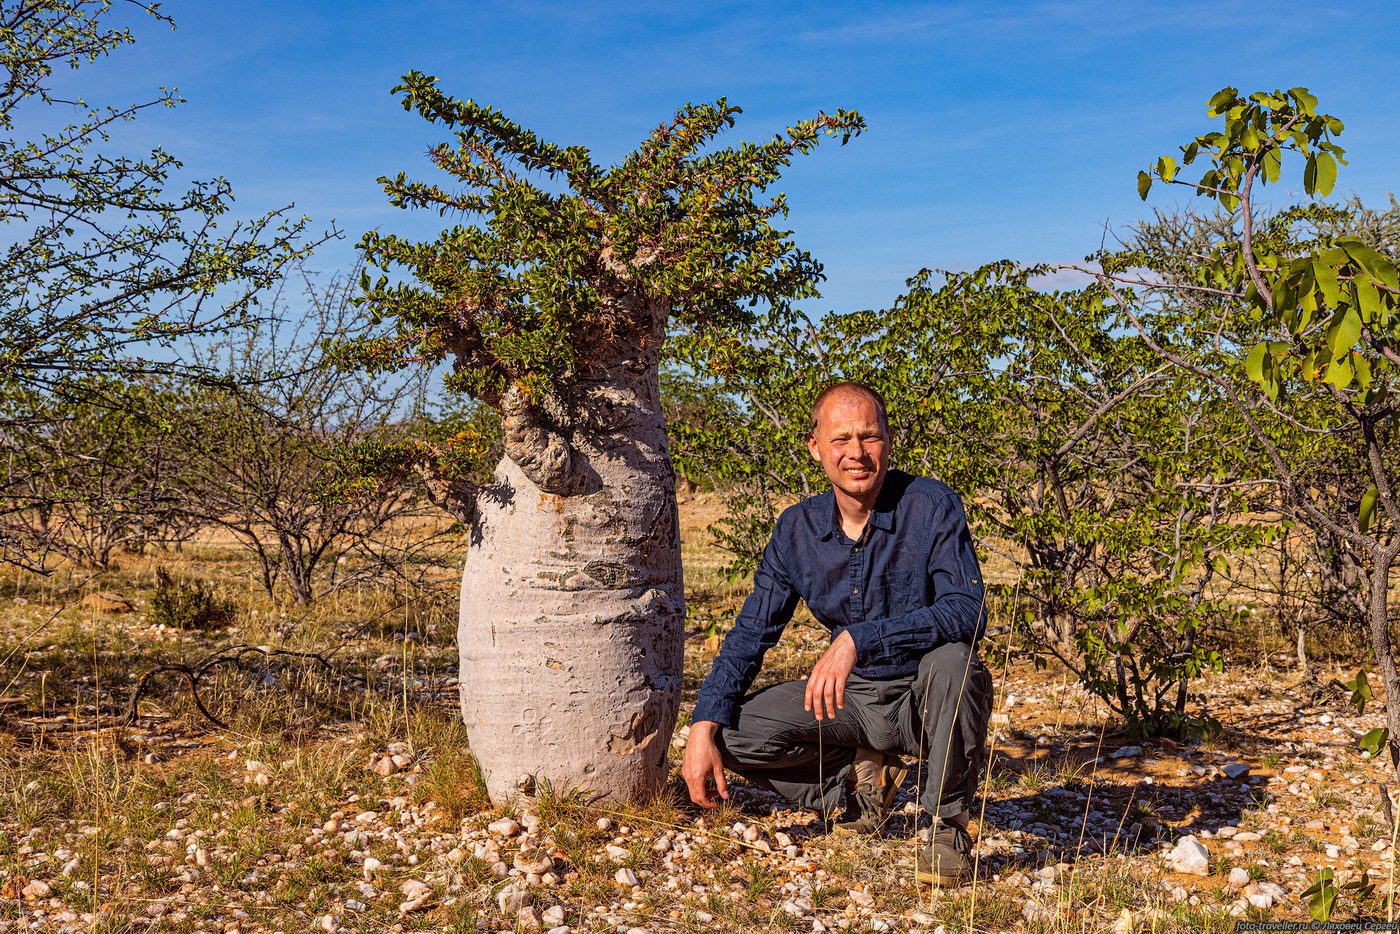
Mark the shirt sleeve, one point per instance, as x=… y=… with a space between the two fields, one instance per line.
x=757 y=629
x=957 y=612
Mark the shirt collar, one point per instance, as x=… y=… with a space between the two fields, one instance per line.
x=881 y=517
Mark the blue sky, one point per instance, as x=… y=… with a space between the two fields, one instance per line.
x=996 y=129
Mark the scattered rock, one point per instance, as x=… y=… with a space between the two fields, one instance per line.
x=1189 y=856
x=1235 y=770
x=1263 y=894
x=536 y=862
x=1239 y=877
x=1126 y=752
x=505 y=827
x=627 y=877
x=414 y=888
x=511 y=899
x=37 y=889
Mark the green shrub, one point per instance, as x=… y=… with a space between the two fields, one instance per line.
x=188 y=604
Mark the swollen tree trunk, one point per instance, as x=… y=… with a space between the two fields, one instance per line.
x=572 y=610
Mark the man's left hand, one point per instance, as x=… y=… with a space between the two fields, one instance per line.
x=826 y=685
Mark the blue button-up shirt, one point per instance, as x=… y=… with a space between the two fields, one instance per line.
x=909 y=585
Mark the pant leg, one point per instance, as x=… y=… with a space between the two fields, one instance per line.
x=946 y=718
x=776 y=744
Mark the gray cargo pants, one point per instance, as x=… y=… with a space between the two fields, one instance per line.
x=938 y=715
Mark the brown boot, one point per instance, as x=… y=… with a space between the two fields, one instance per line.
x=947 y=860
x=875 y=779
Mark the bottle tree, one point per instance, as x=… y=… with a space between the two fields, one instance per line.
x=551 y=308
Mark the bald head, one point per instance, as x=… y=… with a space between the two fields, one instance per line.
x=849 y=391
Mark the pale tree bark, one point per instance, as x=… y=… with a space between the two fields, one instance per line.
x=571 y=628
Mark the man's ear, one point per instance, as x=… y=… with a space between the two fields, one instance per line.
x=812 y=447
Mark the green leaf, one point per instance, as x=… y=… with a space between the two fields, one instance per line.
x=1374 y=741
x=1367 y=513
x=1273 y=163
x=1306 y=101
x=1310 y=174
x=1320 y=905
x=1166 y=168
x=1367 y=298
x=1344 y=332
x=1359 y=687
x=1363 y=369
x=1144 y=185
x=1219 y=100
x=1321 y=895
x=1369 y=260
x=1254 y=362
x=1326 y=279
x=1339 y=372
x=1325 y=173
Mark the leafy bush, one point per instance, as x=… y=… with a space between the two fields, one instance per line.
x=188 y=604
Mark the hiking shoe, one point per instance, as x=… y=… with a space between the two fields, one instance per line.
x=876 y=780
x=947 y=860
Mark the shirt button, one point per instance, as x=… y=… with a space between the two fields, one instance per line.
x=855 y=590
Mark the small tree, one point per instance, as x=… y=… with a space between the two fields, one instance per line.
x=104 y=264
x=553 y=310
x=1297 y=329
x=88 y=476
x=101 y=258
x=261 y=452
x=1309 y=578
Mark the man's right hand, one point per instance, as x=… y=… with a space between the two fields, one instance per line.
x=702 y=763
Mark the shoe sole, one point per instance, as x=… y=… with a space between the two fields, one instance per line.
x=935 y=879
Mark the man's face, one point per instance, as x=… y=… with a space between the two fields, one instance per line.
x=851 y=444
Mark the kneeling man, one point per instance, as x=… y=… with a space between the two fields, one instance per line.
x=885 y=560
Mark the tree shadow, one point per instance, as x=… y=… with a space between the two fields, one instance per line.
x=1070 y=801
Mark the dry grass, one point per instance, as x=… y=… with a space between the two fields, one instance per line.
x=166 y=826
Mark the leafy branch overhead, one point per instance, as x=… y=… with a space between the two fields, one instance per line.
x=562 y=278
x=103 y=257
x=1337 y=305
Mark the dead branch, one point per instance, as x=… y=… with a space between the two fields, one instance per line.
x=194 y=674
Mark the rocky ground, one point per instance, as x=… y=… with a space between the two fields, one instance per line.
x=340 y=796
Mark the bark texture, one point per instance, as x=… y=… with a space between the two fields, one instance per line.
x=571 y=628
